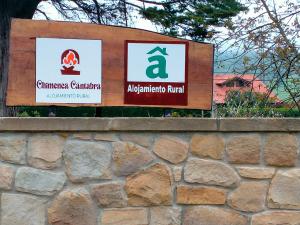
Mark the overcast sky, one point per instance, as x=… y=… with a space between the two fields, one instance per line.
x=144 y=24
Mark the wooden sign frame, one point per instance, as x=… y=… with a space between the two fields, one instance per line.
x=21 y=80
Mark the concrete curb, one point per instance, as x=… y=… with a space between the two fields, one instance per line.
x=149 y=124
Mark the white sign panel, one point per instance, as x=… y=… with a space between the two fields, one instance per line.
x=156 y=73
x=68 y=71
x=143 y=56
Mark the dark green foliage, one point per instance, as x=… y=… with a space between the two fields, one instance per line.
x=190 y=113
x=110 y=112
x=131 y=112
x=91 y=112
x=60 y=111
x=192 y=18
x=287 y=112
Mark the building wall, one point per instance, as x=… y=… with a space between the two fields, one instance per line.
x=149 y=171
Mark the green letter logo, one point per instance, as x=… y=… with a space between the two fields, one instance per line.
x=159 y=69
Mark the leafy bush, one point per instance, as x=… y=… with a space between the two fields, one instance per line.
x=247 y=104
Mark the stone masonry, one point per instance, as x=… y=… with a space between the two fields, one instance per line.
x=240 y=172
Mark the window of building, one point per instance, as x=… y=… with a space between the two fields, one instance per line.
x=240 y=83
x=230 y=84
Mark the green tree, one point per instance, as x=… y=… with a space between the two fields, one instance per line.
x=195 y=19
x=265 y=42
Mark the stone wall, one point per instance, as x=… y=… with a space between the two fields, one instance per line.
x=149 y=172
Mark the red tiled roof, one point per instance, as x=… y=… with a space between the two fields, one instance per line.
x=256 y=85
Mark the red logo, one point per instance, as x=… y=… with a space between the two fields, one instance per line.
x=69 y=59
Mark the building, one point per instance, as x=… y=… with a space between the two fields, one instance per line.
x=229 y=82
